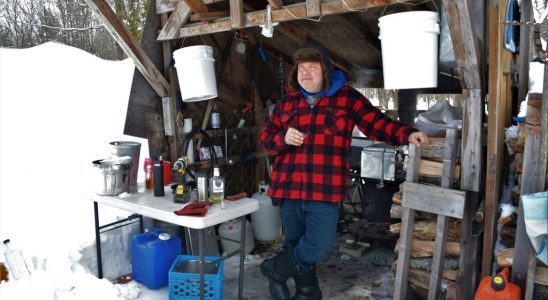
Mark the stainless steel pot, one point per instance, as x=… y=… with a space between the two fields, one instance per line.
x=193 y=266
x=112 y=176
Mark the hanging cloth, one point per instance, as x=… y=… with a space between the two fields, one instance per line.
x=511 y=32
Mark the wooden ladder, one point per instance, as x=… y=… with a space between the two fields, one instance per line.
x=443 y=201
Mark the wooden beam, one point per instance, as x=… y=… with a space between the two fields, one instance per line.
x=171 y=74
x=141 y=60
x=523 y=266
x=468 y=63
x=237 y=14
x=499 y=101
x=313 y=8
x=290 y=13
x=464 y=42
x=177 y=18
x=208 y=16
x=406 y=234
x=276 y=4
x=197 y=6
x=165 y=6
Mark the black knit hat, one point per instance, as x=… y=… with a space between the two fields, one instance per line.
x=311 y=52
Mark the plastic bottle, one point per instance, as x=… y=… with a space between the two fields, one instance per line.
x=149 y=182
x=158 y=178
x=215 y=117
x=217 y=187
x=16 y=263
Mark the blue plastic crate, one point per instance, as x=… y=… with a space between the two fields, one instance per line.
x=186 y=285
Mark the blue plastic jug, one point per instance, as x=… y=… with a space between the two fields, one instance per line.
x=152 y=254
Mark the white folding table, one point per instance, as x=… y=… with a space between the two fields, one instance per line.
x=162 y=208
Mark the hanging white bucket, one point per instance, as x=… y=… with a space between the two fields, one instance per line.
x=196 y=73
x=409 y=43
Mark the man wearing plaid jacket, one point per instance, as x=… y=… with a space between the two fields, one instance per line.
x=309 y=133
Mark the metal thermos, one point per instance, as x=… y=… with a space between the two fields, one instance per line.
x=158 y=178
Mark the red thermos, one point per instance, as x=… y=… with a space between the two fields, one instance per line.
x=498 y=288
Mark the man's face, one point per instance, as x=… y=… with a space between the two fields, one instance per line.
x=310 y=76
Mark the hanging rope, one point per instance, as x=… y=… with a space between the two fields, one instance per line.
x=281 y=74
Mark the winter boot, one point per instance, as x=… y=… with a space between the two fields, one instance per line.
x=307 y=286
x=278 y=269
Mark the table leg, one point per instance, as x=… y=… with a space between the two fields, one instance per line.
x=242 y=257
x=98 y=241
x=202 y=262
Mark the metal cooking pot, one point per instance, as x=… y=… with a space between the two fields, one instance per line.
x=112 y=176
x=193 y=266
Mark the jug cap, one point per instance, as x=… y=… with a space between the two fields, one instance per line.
x=164 y=236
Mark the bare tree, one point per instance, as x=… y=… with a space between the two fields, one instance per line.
x=26 y=24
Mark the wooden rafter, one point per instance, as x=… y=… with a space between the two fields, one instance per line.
x=276 y=4
x=468 y=64
x=177 y=18
x=197 y=6
x=212 y=15
x=288 y=13
x=165 y=6
x=141 y=60
x=236 y=13
x=313 y=8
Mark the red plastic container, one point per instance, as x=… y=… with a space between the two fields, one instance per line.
x=498 y=288
x=167 y=172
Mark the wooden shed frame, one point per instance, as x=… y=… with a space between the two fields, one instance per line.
x=469 y=56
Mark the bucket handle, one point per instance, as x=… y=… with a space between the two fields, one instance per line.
x=183 y=41
x=414 y=4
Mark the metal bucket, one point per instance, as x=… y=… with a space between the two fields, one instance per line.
x=132 y=149
x=193 y=266
x=112 y=176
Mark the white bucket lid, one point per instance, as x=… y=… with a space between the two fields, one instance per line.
x=410 y=16
x=414 y=21
x=192 y=52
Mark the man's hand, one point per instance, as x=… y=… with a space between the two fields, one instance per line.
x=418 y=138
x=294 y=137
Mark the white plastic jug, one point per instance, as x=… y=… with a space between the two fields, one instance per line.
x=266 y=222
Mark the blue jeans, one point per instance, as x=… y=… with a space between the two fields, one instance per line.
x=310 y=229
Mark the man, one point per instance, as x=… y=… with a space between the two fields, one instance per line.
x=309 y=133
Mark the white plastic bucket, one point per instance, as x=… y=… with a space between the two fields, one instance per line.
x=409 y=43
x=196 y=73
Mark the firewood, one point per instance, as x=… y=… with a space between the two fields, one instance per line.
x=420 y=248
x=541 y=275
x=435 y=149
x=395 y=211
x=396 y=198
x=421 y=279
x=504 y=257
x=426 y=230
x=429 y=168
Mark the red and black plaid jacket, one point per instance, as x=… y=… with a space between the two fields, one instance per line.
x=318 y=169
